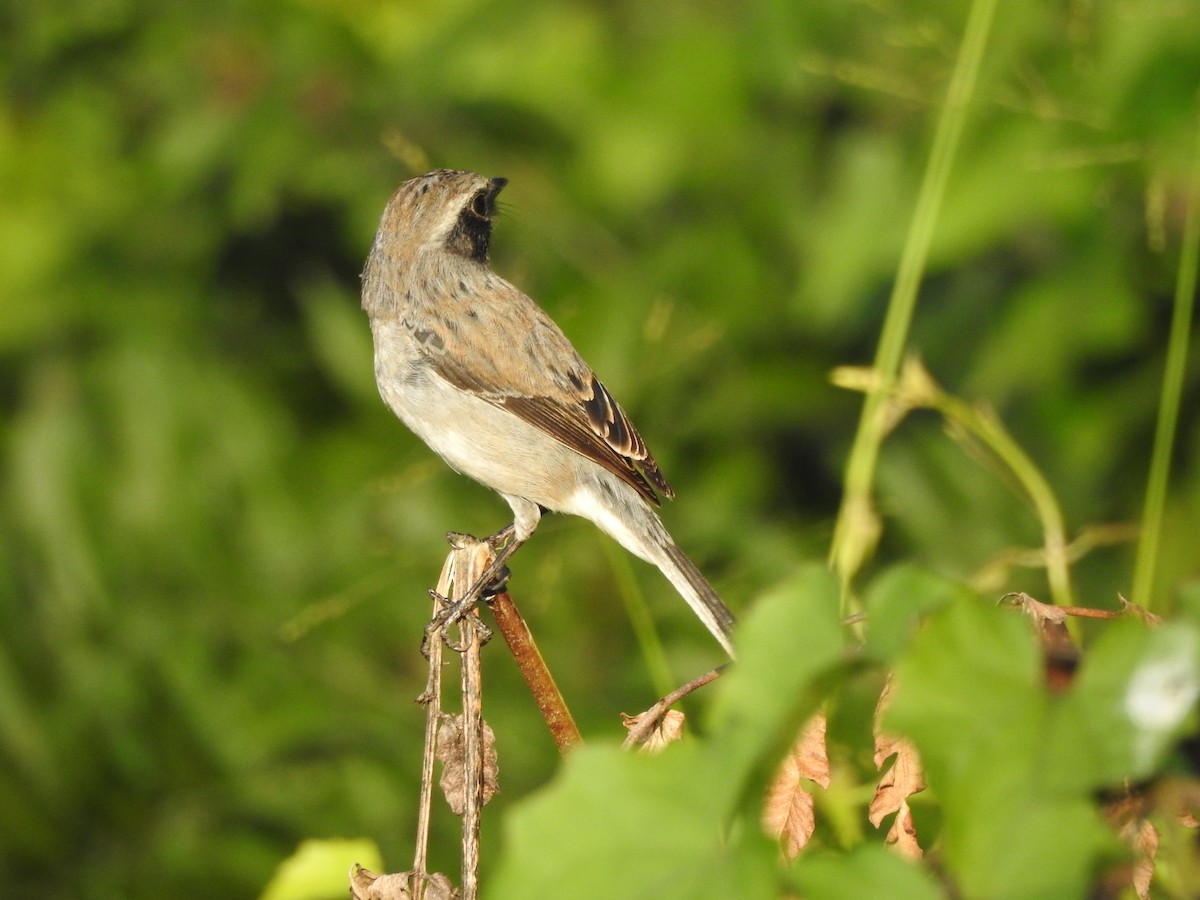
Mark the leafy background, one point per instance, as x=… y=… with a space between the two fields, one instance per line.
x=214 y=540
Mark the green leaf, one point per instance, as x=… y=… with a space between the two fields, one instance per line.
x=896 y=601
x=968 y=689
x=319 y=869
x=969 y=695
x=1006 y=839
x=868 y=871
x=629 y=825
x=790 y=638
x=1136 y=688
x=617 y=824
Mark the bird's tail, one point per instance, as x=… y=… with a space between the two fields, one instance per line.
x=622 y=514
x=699 y=594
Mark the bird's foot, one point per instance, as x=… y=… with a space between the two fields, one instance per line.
x=453 y=611
x=460 y=540
x=493 y=581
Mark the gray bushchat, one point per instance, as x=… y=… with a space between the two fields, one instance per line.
x=480 y=373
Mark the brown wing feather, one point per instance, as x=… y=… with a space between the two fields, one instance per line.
x=609 y=422
x=557 y=393
x=573 y=430
x=592 y=425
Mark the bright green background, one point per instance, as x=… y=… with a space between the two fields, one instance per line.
x=214 y=539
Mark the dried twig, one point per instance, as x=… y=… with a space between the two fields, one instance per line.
x=431 y=697
x=643 y=723
x=471 y=562
x=533 y=668
x=500 y=546
x=461 y=571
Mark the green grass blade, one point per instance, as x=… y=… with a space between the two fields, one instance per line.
x=854 y=533
x=1146 y=564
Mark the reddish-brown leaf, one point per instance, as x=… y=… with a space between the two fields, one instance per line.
x=1143 y=838
x=902 y=836
x=904 y=778
x=788 y=808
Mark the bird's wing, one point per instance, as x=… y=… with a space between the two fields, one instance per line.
x=594 y=425
x=552 y=389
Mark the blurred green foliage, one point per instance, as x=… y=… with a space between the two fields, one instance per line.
x=1013 y=771
x=214 y=540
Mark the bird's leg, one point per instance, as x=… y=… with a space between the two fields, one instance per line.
x=503 y=543
x=493 y=579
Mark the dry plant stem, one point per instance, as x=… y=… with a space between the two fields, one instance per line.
x=488 y=576
x=432 y=698
x=533 y=668
x=472 y=688
x=1086 y=540
x=1086 y=612
x=471 y=565
x=462 y=567
x=647 y=720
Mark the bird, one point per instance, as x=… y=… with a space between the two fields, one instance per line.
x=483 y=375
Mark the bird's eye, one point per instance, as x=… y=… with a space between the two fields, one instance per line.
x=480 y=205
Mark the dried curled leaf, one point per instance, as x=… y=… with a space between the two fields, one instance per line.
x=451 y=753
x=1143 y=838
x=1050 y=620
x=788 y=814
x=902 y=836
x=1129 y=813
x=1058 y=647
x=366 y=885
x=667 y=731
x=1134 y=611
x=905 y=778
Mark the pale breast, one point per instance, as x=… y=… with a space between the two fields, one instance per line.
x=486 y=443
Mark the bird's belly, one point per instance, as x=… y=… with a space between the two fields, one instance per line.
x=484 y=442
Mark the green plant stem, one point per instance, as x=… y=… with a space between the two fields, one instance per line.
x=851 y=546
x=1146 y=564
x=988 y=429
x=634 y=601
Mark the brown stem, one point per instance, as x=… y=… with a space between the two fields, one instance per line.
x=431 y=697
x=472 y=699
x=645 y=722
x=533 y=668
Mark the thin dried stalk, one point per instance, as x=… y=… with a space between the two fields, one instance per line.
x=641 y=725
x=471 y=562
x=431 y=697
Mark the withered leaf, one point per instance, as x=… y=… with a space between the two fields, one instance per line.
x=450 y=752
x=1134 y=611
x=668 y=730
x=366 y=885
x=788 y=814
x=1143 y=838
x=904 y=778
x=1058 y=647
x=902 y=836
